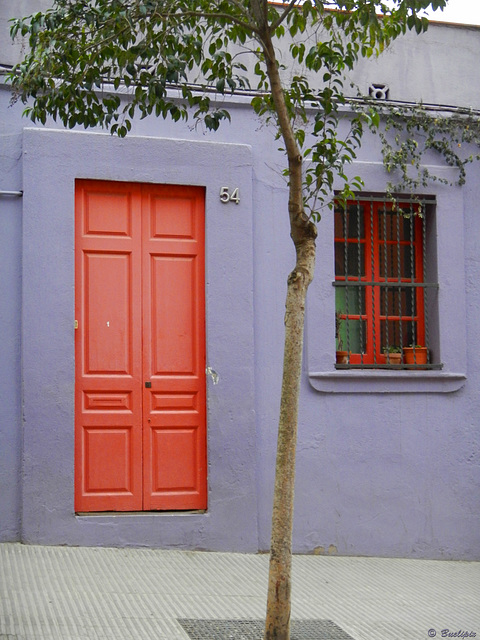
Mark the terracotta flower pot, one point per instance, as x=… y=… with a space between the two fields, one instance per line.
x=342 y=357
x=415 y=355
x=393 y=358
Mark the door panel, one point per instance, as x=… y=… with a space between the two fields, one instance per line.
x=108 y=439
x=108 y=344
x=108 y=473
x=140 y=312
x=174 y=349
x=168 y=475
x=173 y=335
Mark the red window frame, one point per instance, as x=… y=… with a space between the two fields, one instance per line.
x=373 y=274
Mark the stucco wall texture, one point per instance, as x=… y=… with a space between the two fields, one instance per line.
x=388 y=465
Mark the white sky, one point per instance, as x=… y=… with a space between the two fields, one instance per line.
x=459 y=11
x=456 y=11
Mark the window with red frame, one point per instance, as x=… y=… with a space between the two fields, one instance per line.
x=380 y=288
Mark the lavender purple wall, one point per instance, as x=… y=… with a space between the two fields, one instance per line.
x=48 y=335
x=10 y=322
x=388 y=464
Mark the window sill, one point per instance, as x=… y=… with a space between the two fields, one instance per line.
x=386 y=381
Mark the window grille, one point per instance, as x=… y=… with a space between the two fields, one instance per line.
x=383 y=299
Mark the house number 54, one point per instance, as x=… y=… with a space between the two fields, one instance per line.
x=227 y=196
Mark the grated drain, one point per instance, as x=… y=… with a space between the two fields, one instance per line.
x=253 y=630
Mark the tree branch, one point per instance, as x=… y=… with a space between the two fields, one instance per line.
x=282 y=18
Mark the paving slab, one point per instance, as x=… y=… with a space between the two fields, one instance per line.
x=91 y=593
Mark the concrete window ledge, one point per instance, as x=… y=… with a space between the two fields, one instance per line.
x=358 y=381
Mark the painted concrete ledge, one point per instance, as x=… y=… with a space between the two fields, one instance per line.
x=356 y=381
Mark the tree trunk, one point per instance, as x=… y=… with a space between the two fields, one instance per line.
x=303 y=233
x=277 y=626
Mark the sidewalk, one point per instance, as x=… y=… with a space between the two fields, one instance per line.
x=62 y=593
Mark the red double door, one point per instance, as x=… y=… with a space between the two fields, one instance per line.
x=140 y=407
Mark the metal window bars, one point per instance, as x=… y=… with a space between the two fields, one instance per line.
x=381 y=258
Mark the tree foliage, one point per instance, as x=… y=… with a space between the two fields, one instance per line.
x=409 y=132
x=102 y=62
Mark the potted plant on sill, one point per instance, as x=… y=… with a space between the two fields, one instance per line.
x=341 y=355
x=393 y=354
x=415 y=354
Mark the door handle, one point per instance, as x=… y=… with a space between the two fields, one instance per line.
x=148 y=385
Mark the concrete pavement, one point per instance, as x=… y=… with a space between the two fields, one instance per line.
x=69 y=593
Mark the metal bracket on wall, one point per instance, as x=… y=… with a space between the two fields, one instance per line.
x=213 y=374
x=18 y=194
